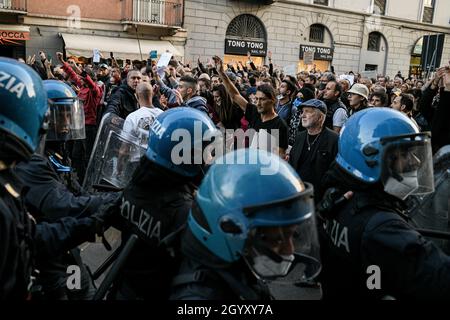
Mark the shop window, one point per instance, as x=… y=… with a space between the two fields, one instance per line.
x=316 y=33
x=374 y=42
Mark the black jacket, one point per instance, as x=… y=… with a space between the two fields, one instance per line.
x=372 y=229
x=122 y=102
x=48 y=199
x=440 y=128
x=203 y=276
x=325 y=152
x=155 y=206
x=22 y=241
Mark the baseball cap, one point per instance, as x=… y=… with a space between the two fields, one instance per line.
x=315 y=103
x=397 y=92
x=231 y=75
x=360 y=89
x=103 y=66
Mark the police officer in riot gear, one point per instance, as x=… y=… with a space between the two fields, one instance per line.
x=66 y=125
x=368 y=248
x=243 y=232
x=156 y=202
x=52 y=193
x=24 y=109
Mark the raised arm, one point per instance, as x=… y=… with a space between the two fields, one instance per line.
x=234 y=93
x=270 y=64
x=68 y=69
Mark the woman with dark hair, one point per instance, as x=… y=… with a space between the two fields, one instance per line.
x=229 y=114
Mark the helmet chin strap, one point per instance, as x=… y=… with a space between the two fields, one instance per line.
x=41 y=148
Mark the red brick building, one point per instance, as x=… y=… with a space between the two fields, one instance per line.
x=129 y=28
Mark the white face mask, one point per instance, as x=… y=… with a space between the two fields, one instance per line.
x=266 y=267
x=402 y=189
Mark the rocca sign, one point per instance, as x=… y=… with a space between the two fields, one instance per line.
x=7 y=36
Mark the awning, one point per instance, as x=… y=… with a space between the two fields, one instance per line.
x=123 y=48
x=13 y=27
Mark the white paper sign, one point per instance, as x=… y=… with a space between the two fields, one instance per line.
x=349 y=77
x=290 y=70
x=369 y=74
x=164 y=59
x=96 y=58
x=308 y=58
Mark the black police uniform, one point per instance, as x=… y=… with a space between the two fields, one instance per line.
x=203 y=276
x=21 y=240
x=48 y=198
x=154 y=206
x=371 y=230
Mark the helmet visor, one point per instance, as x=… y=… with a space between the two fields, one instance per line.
x=284 y=254
x=66 y=121
x=407 y=166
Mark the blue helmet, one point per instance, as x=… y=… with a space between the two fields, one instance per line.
x=66 y=120
x=24 y=103
x=246 y=195
x=178 y=138
x=384 y=145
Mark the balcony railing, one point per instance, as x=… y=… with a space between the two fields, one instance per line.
x=13 y=6
x=159 y=12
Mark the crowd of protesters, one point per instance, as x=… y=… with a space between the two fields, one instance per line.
x=305 y=113
x=229 y=94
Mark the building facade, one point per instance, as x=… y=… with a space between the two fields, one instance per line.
x=130 y=29
x=350 y=35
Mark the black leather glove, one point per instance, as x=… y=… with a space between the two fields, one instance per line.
x=327 y=207
x=105 y=217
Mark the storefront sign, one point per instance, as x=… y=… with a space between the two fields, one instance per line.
x=8 y=37
x=320 y=53
x=241 y=47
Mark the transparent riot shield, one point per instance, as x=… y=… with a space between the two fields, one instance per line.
x=115 y=156
x=431 y=211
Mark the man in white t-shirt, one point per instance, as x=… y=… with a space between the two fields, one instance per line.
x=136 y=128
x=138 y=122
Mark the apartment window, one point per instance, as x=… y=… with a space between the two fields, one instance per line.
x=379 y=7
x=428 y=11
x=374 y=42
x=322 y=2
x=5 y=3
x=316 y=33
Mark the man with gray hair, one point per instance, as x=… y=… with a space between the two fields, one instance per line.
x=316 y=148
